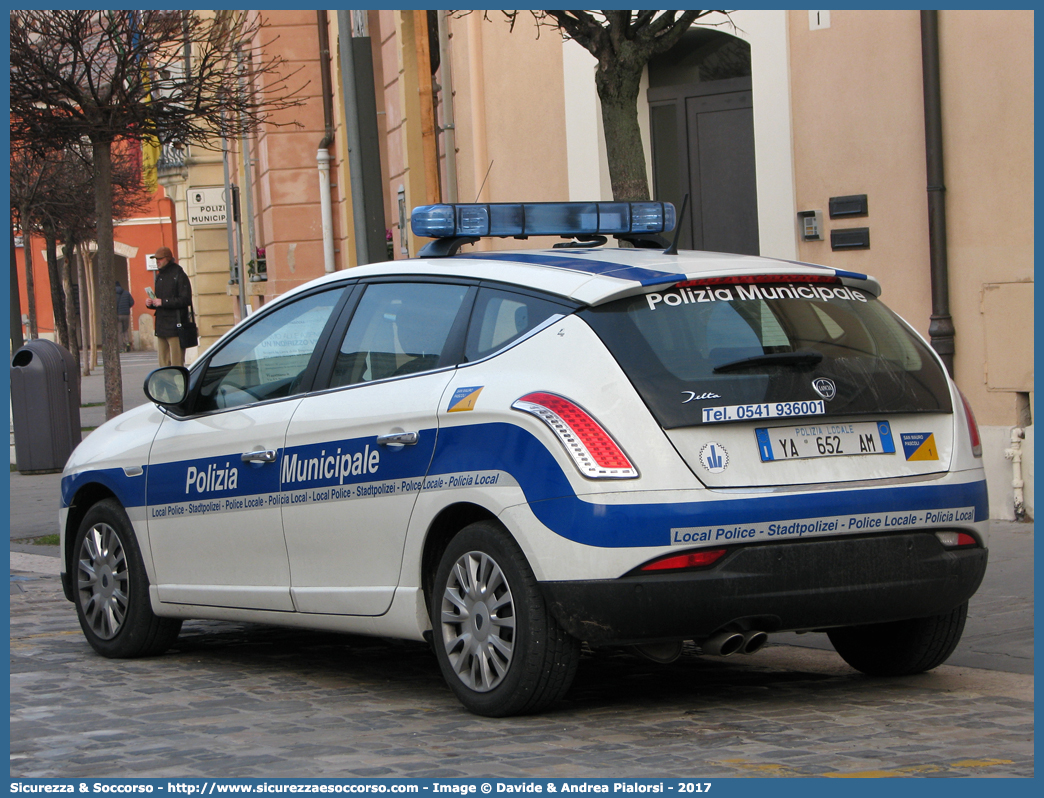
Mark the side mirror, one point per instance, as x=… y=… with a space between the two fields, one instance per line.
x=167 y=386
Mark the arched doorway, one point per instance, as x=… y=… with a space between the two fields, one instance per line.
x=701 y=114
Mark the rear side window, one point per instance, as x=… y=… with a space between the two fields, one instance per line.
x=397 y=329
x=693 y=347
x=502 y=316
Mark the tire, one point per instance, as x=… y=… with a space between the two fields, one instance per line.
x=901 y=648
x=500 y=649
x=111 y=588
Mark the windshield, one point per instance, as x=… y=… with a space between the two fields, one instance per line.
x=836 y=350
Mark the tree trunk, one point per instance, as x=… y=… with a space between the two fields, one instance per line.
x=623 y=146
x=106 y=304
x=92 y=310
x=70 y=307
x=85 y=311
x=54 y=277
x=17 y=340
x=618 y=86
x=30 y=283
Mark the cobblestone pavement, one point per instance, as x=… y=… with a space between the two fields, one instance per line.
x=237 y=700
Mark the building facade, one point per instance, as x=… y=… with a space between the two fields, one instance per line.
x=768 y=119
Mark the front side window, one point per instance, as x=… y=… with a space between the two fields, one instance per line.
x=692 y=347
x=268 y=359
x=397 y=329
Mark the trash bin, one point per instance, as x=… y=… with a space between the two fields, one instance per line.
x=45 y=406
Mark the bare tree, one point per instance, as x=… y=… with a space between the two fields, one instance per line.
x=54 y=195
x=104 y=76
x=67 y=211
x=623 y=42
x=28 y=171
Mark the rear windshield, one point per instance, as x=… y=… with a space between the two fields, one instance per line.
x=782 y=349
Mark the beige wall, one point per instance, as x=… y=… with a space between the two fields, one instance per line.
x=525 y=116
x=202 y=251
x=509 y=108
x=858 y=122
x=858 y=128
x=987 y=88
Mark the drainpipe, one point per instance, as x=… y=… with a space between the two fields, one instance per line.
x=248 y=184
x=941 y=330
x=1015 y=455
x=323 y=156
x=448 y=127
x=236 y=261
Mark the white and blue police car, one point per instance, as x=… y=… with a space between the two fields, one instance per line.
x=511 y=453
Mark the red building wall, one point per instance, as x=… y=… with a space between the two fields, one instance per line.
x=137 y=237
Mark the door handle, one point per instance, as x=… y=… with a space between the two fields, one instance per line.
x=398 y=438
x=261 y=456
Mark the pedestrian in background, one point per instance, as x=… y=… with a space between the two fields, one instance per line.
x=124 y=302
x=172 y=295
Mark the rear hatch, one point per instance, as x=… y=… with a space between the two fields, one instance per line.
x=768 y=381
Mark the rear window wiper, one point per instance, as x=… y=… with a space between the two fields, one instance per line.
x=803 y=357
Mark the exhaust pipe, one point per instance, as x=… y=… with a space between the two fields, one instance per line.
x=722 y=644
x=753 y=641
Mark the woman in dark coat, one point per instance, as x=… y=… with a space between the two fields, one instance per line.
x=173 y=295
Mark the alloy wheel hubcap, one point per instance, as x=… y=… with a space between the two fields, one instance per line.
x=478 y=621
x=102 y=581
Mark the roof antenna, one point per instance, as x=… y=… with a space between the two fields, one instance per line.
x=479 y=192
x=673 y=248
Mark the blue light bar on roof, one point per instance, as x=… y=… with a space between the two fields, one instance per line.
x=542 y=219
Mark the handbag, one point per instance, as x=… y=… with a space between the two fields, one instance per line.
x=188 y=332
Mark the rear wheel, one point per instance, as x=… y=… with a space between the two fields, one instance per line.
x=500 y=649
x=901 y=648
x=112 y=589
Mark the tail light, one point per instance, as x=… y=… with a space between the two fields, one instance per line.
x=953 y=540
x=593 y=450
x=973 y=427
x=691 y=559
x=745 y=279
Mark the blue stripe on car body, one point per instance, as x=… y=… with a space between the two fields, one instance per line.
x=500 y=446
x=557 y=506
x=129 y=490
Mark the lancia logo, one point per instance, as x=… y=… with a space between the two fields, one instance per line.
x=704 y=395
x=825 y=388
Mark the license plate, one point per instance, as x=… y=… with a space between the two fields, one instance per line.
x=825 y=440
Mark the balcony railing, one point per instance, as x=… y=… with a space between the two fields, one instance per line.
x=172 y=159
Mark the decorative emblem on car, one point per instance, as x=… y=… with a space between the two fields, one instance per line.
x=714 y=457
x=704 y=395
x=824 y=388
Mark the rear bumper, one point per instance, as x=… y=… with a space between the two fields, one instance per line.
x=809 y=584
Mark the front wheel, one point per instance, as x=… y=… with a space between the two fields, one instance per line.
x=500 y=649
x=112 y=589
x=901 y=648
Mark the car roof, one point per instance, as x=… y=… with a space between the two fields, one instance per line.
x=599 y=275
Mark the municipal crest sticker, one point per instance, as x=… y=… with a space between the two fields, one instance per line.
x=714 y=458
